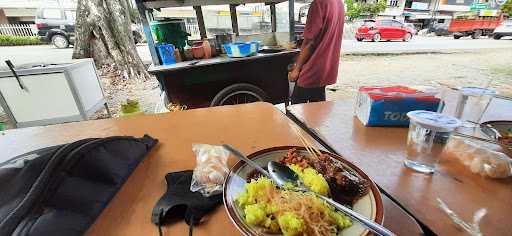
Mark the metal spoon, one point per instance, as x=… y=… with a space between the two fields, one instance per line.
x=282 y=174
x=246 y=160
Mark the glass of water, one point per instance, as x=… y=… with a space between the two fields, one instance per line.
x=428 y=134
x=472 y=104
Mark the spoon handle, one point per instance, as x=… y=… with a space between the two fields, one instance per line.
x=372 y=226
x=246 y=160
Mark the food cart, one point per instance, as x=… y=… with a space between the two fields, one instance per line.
x=223 y=80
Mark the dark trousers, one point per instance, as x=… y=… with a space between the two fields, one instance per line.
x=304 y=95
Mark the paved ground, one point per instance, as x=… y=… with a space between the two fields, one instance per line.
x=475 y=68
x=48 y=54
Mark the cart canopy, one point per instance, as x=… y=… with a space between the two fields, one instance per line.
x=186 y=3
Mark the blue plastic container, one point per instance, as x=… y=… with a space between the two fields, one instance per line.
x=239 y=49
x=166 y=53
x=255 y=46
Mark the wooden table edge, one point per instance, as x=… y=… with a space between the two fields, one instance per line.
x=426 y=230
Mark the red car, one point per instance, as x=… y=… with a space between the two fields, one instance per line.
x=377 y=30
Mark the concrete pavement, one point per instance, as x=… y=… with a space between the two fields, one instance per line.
x=47 y=54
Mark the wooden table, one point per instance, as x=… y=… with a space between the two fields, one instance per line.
x=380 y=152
x=248 y=127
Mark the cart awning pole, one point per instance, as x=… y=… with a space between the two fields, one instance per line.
x=273 y=17
x=234 y=19
x=291 y=16
x=200 y=22
x=146 y=16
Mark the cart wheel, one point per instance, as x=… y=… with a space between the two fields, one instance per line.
x=239 y=94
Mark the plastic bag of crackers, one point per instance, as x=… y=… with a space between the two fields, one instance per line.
x=480 y=157
x=211 y=169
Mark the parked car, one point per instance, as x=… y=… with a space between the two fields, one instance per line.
x=440 y=29
x=412 y=28
x=377 y=30
x=503 y=30
x=57 y=25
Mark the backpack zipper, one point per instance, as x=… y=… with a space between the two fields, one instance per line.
x=7 y=225
x=68 y=161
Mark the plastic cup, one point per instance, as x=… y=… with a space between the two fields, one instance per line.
x=428 y=133
x=472 y=103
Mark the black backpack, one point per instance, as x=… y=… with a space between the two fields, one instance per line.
x=61 y=190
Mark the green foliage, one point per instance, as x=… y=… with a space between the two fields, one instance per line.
x=9 y=40
x=356 y=9
x=375 y=8
x=507 y=7
x=353 y=10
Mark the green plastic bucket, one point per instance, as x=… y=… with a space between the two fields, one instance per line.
x=170 y=31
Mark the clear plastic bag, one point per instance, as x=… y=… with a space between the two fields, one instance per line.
x=480 y=158
x=211 y=169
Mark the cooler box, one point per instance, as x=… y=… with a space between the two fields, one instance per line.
x=388 y=106
x=51 y=94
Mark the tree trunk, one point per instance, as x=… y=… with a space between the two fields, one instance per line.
x=103 y=32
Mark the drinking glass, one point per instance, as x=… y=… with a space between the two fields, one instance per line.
x=472 y=104
x=427 y=136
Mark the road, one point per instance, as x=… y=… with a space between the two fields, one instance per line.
x=47 y=54
x=423 y=44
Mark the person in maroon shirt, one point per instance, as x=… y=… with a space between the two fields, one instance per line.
x=318 y=61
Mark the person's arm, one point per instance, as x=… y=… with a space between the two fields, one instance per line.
x=306 y=50
x=312 y=33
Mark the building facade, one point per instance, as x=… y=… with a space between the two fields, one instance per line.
x=394 y=10
x=425 y=12
x=24 y=11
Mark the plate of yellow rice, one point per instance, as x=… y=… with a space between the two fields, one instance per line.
x=258 y=207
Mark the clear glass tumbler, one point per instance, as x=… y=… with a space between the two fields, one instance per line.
x=472 y=104
x=428 y=133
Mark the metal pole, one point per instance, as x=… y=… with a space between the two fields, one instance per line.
x=273 y=17
x=234 y=19
x=145 y=17
x=291 y=17
x=200 y=22
x=434 y=11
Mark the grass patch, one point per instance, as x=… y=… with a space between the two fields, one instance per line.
x=505 y=70
x=9 y=40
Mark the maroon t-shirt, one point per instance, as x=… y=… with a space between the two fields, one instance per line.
x=325 y=24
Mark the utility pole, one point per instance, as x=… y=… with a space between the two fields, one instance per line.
x=434 y=11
